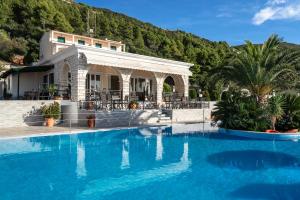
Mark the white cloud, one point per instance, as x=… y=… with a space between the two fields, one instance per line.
x=276 y=2
x=277 y=10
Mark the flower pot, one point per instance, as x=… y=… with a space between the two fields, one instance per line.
x=57 y=98
x=49 y=122
x=295 y=130
x=91 y=122
x=271 y=131
x=132 y=106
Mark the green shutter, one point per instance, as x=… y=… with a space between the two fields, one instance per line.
x=98 y=45
x=61 y=39
x=82 y=42
x=113 y=48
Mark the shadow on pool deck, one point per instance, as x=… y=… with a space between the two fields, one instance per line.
x=267 y=191
x=249 y=160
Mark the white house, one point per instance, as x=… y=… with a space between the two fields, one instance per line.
x=81 y=66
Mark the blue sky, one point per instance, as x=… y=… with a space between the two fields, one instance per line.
x=233 y=21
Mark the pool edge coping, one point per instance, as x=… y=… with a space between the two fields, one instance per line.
x=41 y=134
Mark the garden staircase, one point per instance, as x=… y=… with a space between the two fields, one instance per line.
x=164 y=116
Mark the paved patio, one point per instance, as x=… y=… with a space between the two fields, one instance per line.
x=35 y=131
x=32 y=131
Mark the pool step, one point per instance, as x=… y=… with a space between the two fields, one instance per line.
x=163 y=117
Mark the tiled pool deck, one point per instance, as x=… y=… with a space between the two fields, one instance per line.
x=34 y=131
x=38 y=131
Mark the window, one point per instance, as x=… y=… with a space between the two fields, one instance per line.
x=81 y=42
x=87 y=82
x=69 y=77
x=137 y=84
x=114 y=83
x=8 y=83
x=98 y=45
x=45 y=81
x=113 y=48
x=92 y=82
x=51 y=78
x=61 y=39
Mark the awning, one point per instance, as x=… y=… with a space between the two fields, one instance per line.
x=24 y=69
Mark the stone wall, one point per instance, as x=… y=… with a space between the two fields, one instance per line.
x=192 y=115
x=20 y=113
x=119 y=118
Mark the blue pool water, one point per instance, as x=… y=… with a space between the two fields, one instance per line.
x=148 y=163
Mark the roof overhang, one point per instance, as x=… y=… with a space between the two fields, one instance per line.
x=26 y=69
x=103 y=57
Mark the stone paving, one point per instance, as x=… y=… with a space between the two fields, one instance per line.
x=34 y=131
x=31 y=131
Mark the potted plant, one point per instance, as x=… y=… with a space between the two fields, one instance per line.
x=52 y=89
x=133 y=105
x=57 y=97
x=91 y=121
x=51 y=112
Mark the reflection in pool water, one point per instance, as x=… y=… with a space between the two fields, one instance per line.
x=125 y=154
x=149 y=163
x=253 y=159
x=80 y=170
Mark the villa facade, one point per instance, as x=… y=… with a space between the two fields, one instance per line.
x=84 y=66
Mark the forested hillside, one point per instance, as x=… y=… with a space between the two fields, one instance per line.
x=22 y=23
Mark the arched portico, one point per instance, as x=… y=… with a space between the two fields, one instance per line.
x=142 y=85
x=181 y=85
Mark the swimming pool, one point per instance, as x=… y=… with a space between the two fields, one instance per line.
x=148 y=163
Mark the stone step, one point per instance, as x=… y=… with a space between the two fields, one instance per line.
x=164 y=121
x=164 y=118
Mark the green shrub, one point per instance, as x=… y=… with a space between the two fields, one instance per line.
x=291 y=116
x=193 y=94
x=51 y=111
x=275 y=109
x=167 y=88
x=240 y=113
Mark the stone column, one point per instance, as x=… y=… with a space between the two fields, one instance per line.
x=125 y=75
x=58 y=69
x=79 y=71
x=185 y=79
x=160 y=78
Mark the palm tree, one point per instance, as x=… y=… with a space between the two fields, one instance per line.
x=276 y=108
x=262 y=68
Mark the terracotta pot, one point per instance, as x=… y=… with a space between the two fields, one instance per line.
x=271 y=131
x=132 y=106
x=49 y=122
x=295 y=130
x=57 y=98
x=91 y=122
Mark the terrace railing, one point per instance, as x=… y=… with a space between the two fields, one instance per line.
x=118 y=104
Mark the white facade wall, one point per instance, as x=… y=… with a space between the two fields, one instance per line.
x=83 y=59
x=49 y=44
x=29 y=81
